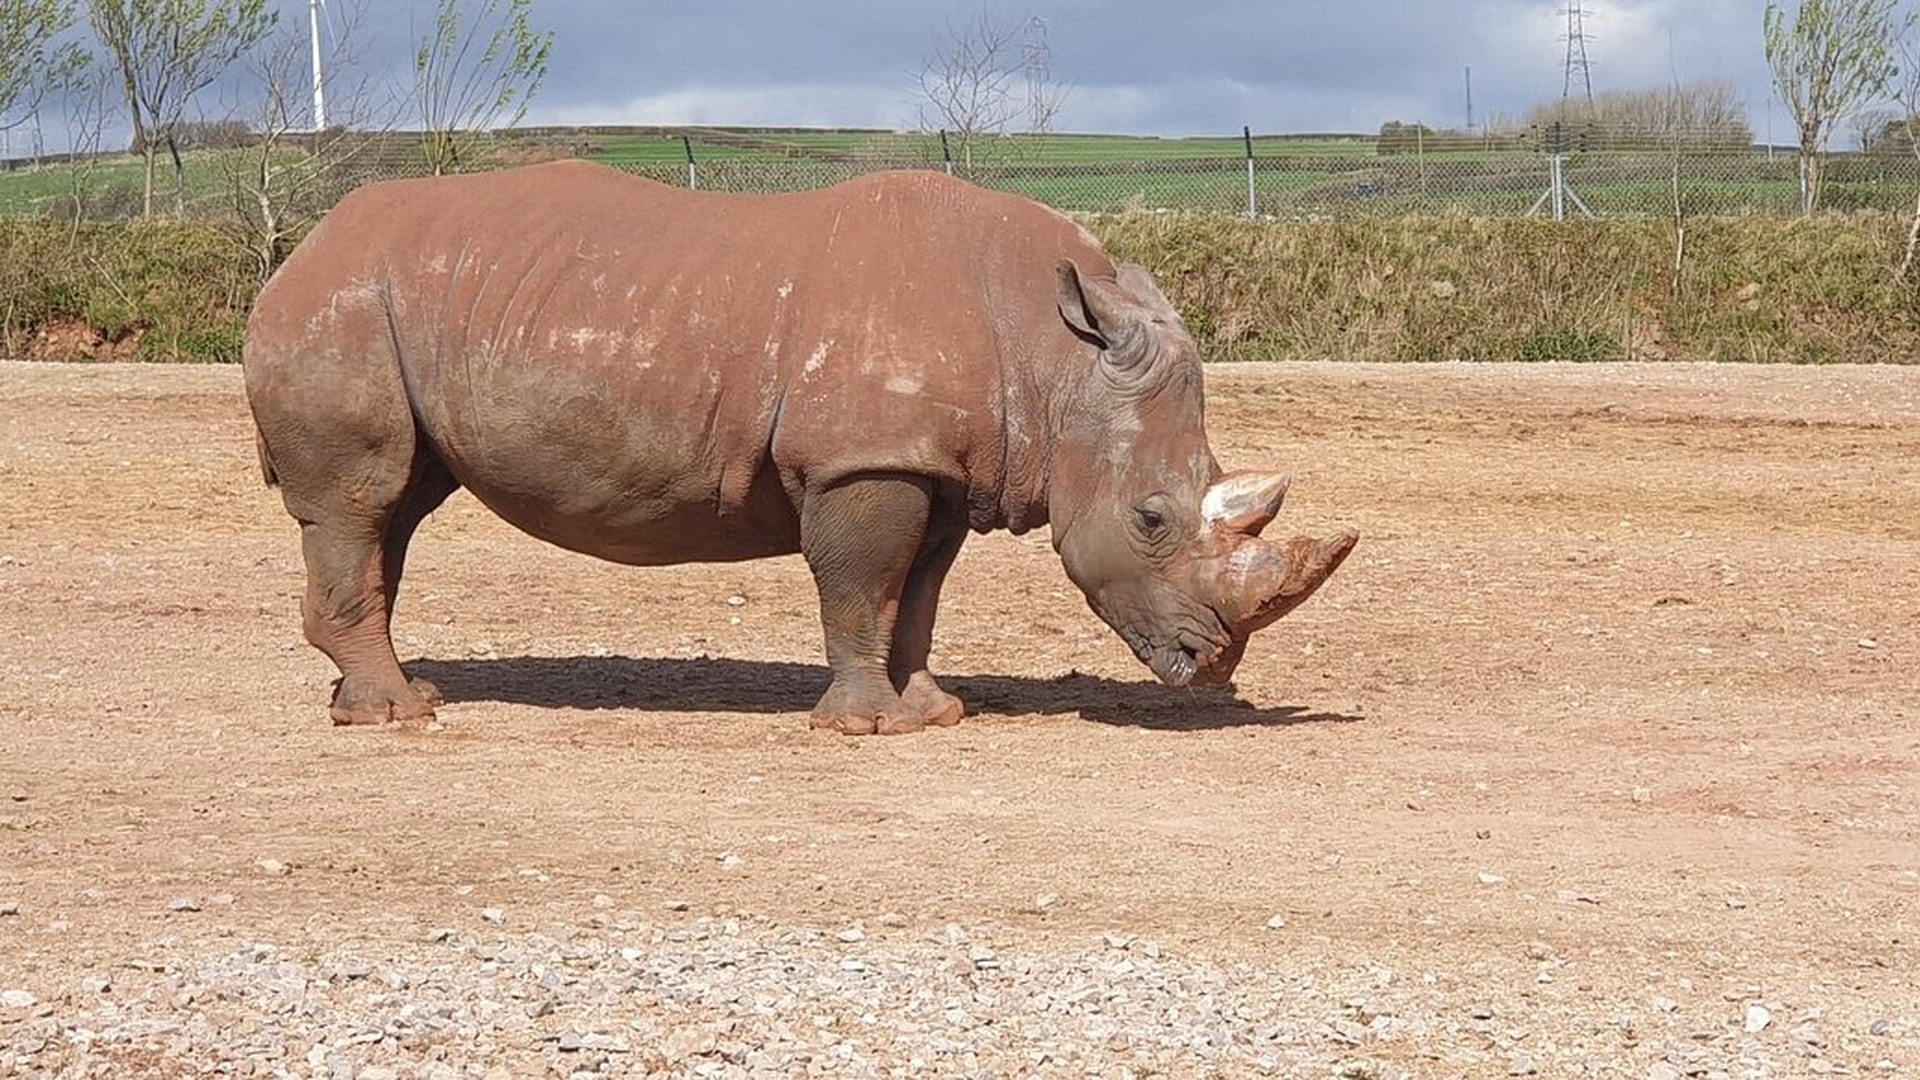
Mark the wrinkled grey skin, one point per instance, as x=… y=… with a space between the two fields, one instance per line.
x=860 y=374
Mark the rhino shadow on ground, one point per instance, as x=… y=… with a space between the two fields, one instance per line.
x=757 y=686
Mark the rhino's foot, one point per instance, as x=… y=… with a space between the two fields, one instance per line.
x=851 y=713
x=361 y=701
x=934 y=706
x=867 y=723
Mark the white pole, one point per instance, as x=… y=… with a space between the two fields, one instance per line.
x=319 y=80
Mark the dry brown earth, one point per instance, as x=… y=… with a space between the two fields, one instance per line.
x=1604 y=743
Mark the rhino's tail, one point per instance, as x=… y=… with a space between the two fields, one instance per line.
x=267 y=472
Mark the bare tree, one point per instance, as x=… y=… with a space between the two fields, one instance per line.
x=292 y=173
x=1833 y=58
x=32 y=60
x=85 y=102
x=167 y=51
x=1901 y=134
x=471 y=78
x=1703 y=115
x=981 y=77
x=1870 y=128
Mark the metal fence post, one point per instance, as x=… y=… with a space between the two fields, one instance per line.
x=693 y=172
x=1253 y=202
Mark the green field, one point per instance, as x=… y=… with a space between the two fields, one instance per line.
x=29 y=191
x=1295 y=176
x=715 y=144
x=111 y=187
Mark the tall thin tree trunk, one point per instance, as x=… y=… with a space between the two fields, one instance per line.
x=141 y=137
x=147 y=157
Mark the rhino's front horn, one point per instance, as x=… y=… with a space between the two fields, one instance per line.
x=1244 y=502
x=1273 y=579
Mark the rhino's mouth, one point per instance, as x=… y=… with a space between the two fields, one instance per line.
x=1175 y=666
x=1180 y=661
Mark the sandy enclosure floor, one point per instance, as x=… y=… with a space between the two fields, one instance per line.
x=1606 y=736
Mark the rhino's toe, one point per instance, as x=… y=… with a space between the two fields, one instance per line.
x=428 y=692
x=934 y=706
x=361 y=702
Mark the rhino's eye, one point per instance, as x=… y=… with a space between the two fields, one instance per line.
x=1152 y=523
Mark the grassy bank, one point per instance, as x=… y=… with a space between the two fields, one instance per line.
x=1440 y=288
x=118 y=291
x=1819 y=290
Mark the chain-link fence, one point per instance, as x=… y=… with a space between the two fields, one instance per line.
x=1282 y=177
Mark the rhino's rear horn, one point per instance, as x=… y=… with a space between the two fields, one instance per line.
x=1244 y=502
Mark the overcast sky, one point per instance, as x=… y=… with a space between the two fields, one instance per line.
x=1129 y=66
x=1137 y=66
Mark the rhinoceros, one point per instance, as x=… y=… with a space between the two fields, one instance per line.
x=860 y=374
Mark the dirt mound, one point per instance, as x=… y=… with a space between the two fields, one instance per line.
x=72 y=340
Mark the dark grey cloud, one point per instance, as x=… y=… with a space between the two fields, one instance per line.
x=1137 y=65
x=1134 y=66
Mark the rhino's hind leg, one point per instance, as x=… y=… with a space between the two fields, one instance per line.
x=354 y=540
x=427 y=488
x=913 y=633
x=345 y=615
x=860 y=538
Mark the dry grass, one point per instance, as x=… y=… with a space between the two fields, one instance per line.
x=1458 y=288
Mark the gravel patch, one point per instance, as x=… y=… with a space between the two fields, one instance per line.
x=745 y=998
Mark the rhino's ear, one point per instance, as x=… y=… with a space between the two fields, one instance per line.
x=1077 y=303
x=1098 y=311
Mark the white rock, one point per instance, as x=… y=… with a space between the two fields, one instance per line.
x=1758 y=1017
x=493 y=915
x=17 y=999
x=1491 y=879
x=1278 y=922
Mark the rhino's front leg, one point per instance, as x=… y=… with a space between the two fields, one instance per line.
x=860 y=538
x=913 y=634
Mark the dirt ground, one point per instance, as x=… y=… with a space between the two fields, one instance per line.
x=1618 y=700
